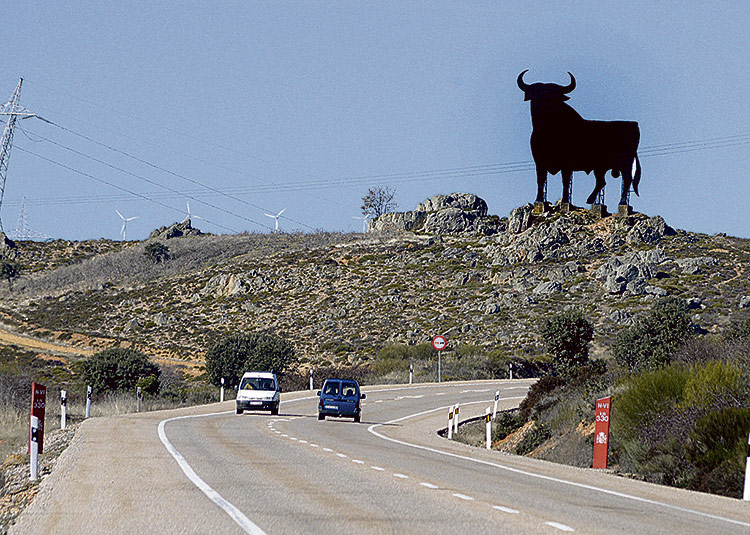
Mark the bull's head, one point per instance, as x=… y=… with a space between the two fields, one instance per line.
x=546 y=92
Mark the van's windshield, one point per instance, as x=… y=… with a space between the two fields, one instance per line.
x=257 y=383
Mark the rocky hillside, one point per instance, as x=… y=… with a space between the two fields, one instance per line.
x=446 y=267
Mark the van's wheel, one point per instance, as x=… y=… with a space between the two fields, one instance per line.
x=357 y=418
x=239 y=411
x=321 y=416
x=275 y=411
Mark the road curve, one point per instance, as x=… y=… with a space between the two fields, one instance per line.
x=206 y=469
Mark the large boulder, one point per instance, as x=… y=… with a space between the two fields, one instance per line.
x=176 y=230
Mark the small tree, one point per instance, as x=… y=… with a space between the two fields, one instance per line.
x=652 y=342
x=378 y=201
x=231 y=356
x=566 y=337
x=156 y=252
x=10 y=272
x=120 y=369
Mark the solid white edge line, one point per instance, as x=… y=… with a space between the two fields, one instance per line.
x=235 y=514
x=561 y=527
x=371 y=429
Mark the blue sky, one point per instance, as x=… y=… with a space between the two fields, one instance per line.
x=243 y=108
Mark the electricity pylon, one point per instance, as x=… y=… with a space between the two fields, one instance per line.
x=13 y=110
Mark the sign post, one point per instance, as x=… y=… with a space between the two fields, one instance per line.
x=455 y=418
x=411 y=373
x=450 y=423
x=601 y=432
x=63 y=408
x=139 y=395
x=488 y=427
x=494 y=408
x=311 y=379
x=221 y=395
x=88 y=401
x=34 y=449
x=38 y=405
x=439 y=342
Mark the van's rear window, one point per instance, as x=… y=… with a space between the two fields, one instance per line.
x=257 y=383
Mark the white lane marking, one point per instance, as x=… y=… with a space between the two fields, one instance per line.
x=342 y=455
x=285 y=435
x=292 y=438
x=314 y=445
x=327 y=449
x=465 y=391
x=378 y=468
x=401 y=476
x=357 y=461
x=561 y=527
x=302 y=441
x=440 y=394
x=235 y=514
x=371 y=429
x=463 y=497
x=505 y=509
x=378 y=401
x=428 y=485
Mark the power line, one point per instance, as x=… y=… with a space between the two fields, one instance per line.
x=129 y=192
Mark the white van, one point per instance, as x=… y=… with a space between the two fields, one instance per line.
x=258 y=391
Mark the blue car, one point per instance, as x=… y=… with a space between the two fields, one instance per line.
x=340 y=397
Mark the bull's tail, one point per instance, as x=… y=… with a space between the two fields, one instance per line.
x=637 y=175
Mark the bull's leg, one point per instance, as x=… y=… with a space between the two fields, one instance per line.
x=541 y=183
x=600 y=183
x=627 y=180
x=567 y=178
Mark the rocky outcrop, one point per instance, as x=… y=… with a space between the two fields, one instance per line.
x=629 y=274
x=176 y=230
x=455 y=214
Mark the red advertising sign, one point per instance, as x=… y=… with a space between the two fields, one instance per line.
x=38 y=404
x=601 y=432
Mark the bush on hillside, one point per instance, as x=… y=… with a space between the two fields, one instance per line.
x=713 y=385
x=566 y=337
x=119 y=370
x=653 y=340
x=235 y=354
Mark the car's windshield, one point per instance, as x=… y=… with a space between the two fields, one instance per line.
x=349 y=389
x=331 y=388
x=257 y=383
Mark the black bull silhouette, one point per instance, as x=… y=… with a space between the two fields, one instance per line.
x=562 y=140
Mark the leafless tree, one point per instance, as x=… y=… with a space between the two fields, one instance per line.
x=378 y=201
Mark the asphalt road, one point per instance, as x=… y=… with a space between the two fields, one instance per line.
x=208 y=470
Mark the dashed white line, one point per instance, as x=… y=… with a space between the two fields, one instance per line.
x=505 y=509
x=285 y=435
x=342 y=455
x=302 y=441
x=327 y=449
x=561 y=527
x=401 y=476
x=379 y=469
x=428 y=485
x=357 y=461
x=292 y=438
x=314 y=445
x=463 y=497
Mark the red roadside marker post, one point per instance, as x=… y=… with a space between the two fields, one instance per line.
x=601 y=432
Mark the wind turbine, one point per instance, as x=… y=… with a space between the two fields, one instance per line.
x=190 y=217
x=276 y=218
x=124 y=223
x=364 y=222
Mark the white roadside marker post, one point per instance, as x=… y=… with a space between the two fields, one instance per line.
x=63 y=409
x=311 y=379
x=450 y=423
x=411 y=373
x=455 y=419
x=494 y=409
x=746 y=495
x=139 y=395
x=510 y=367
x=34 y=449
x=221 y=395
x=88 y=401
x=488 y=427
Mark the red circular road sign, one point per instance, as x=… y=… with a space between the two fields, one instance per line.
x=439 y=342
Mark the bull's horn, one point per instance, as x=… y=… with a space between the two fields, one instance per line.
x=523 y=86
x=571 y=86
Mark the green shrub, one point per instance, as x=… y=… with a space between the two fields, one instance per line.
x=505 y=423
x=231 y=356
x=653 y=340
x=119 y=369
x=533 y=439
x=156 y=252
x=533 y=403
x=718 y=447
x=711 y=384
x=738 y=330
x=645 y=396
x=566 y=337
